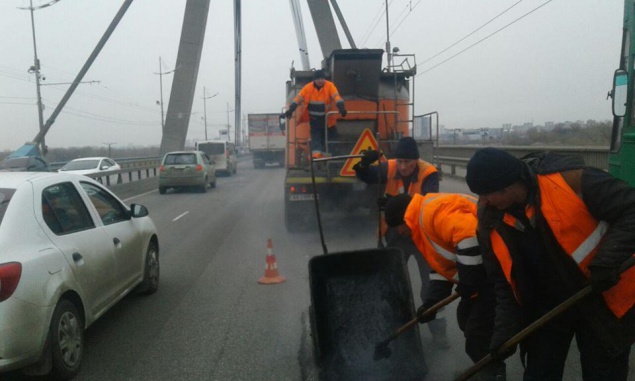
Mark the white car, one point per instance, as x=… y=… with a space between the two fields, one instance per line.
x=69 y=250
x=91 y=166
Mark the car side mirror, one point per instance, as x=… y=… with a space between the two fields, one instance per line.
x=619 y=92
x=104 y=167
x=138 y=210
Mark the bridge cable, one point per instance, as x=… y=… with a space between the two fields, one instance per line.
x=485 y=38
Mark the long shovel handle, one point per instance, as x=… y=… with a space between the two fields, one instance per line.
x=414 y=321
x=520 y=336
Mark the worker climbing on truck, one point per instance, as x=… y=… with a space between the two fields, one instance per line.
x=406 y=173
x=319 y=96
x=550 y=226
x=443 y=228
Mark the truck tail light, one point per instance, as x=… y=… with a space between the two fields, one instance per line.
x=9 y=278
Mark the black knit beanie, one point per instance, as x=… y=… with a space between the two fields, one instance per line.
x=396 y=209
x=492 y=169
x=319 y=74
x=407 y=149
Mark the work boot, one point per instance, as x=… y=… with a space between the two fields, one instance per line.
x=317 y=154
x=495 y=371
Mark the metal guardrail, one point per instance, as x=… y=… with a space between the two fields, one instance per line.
x=452 y=160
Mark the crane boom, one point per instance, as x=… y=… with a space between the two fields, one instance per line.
x=299 y=33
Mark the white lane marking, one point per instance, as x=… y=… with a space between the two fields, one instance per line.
x=178 y=217
x=138 y=195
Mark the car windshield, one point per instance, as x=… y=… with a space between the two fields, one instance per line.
x=181 y=158
x=5 y=197
x=79 y=165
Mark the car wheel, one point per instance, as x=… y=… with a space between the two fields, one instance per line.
x=67 y=340
x=203 y=188
x=213 y=183
x=162 y=190
x=151 y=272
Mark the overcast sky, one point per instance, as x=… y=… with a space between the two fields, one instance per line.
x=554 y=64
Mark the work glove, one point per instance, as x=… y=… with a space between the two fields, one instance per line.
x=429 y=317
x=290 y=111
x=497 y=355
x=342 y=109
x=370 y=156
x=381 y=201
x=603 y=278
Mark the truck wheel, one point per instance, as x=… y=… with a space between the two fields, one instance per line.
x=162 y=190
x=67 y=340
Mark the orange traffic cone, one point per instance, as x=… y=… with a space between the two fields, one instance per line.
x=271 y=269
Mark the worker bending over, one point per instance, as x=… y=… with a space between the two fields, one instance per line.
x=319 y=97
x=549 y=226
x=406 y=173
x=443 y=226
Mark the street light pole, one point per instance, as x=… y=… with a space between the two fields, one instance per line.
x=205 y=98
x=228 y=125
x=35 y=69
x=161 y=73
x=109 y=145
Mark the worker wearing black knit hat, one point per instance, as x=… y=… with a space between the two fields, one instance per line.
x=549 y=226
x=405 y=173
x=492 y=169
x=443 y=228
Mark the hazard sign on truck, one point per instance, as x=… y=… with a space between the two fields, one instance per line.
x=266 y=139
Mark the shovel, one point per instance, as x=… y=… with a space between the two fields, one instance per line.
x=520 y=336
x=381 y=349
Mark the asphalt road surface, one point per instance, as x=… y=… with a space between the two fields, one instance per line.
x=212 y=320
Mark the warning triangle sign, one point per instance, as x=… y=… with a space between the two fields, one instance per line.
x=365 y=142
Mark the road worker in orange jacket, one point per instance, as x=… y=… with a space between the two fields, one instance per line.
x=550 y=226
x=319 y=97
x=406 y=173
x=443 y=227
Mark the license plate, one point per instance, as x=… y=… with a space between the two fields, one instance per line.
x=301 y=197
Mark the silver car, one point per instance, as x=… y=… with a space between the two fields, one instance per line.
x=186 y=169
x=69 y=250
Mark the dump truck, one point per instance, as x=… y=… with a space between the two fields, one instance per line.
x=266 y=139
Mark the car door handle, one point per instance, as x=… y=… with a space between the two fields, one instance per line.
x=116 y=241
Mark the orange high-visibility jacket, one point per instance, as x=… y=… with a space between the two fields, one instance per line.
x=394 y=184
x=577 y=232
x=441 y=223
x=319 y=101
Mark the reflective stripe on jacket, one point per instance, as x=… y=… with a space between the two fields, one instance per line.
x=578 y=233
x=441 y=224
x=319 y=101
